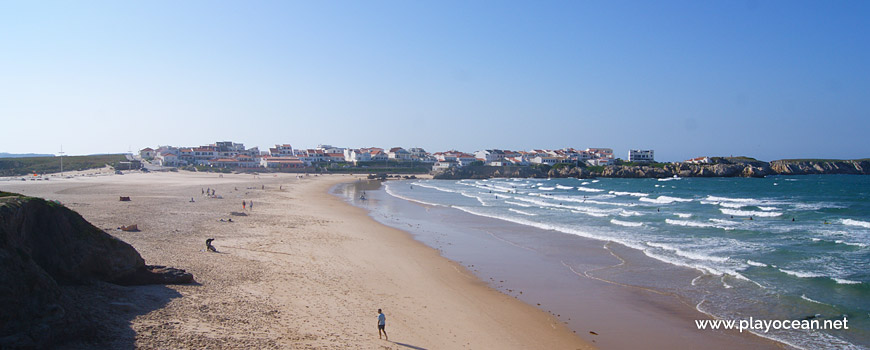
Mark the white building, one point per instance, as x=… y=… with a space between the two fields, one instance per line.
x=418 y=152
x=399 y=153
x=549 y=160
x=378 y=156
x=600 y=161
x=699 y=160
x=284 y=150
x=329 y=149
x=146 y=153
x=490 y=155
x=166 y=159
x=443 y=165
x=282 y=162
x=641 y=155
x=600 y=152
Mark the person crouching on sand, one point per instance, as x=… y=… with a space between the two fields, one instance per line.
x=382 y=322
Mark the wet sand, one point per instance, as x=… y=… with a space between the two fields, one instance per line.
x=626 y=298
x=302 y=269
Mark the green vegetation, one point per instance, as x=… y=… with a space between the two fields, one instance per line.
x=658 y=165
x=562 y=165
x=42 y=165
x=8 y=194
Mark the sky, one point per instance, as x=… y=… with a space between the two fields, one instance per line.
x=768 y=79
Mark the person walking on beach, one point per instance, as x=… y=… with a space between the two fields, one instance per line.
x=251 y=205
x=382 y=322
x=243 y=204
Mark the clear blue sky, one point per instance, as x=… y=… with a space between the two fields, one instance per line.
x=770 y=79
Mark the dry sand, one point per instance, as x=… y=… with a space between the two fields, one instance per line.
x=302 y=270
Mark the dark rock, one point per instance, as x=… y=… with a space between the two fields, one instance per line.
x=155 y=275
x=44 y=245
x=62 y=243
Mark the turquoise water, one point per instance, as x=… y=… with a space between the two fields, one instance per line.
x=771 y=248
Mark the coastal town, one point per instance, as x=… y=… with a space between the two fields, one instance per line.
x=227 y=154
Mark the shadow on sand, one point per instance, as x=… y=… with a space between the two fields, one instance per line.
x=409 y=346
x=100 y=316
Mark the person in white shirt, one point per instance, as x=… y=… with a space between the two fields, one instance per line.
x=382 y=321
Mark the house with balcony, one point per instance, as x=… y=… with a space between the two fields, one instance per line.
x=284 y=150
x=399 y=154
x=641 y=155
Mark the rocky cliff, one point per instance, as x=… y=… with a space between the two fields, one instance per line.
x=720 y=168
x=44 y=245
x=805 y=167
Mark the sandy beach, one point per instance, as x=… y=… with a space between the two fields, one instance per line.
x=302 y=269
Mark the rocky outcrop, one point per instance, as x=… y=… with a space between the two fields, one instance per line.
x=722 y=167
x=44 y=245
x=806 y=167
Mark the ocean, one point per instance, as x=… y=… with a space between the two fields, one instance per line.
x=771 y=248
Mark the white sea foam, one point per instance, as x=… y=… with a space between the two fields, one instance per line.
x=518 y=204
x=626 y=223
x=633 y=194
x=670 y=179
x=619 y=204
x=585 y=183
x=731 y=205
x=804 y=297
x=546 y=188
x=503 y=189
x=683 y=215
x=858 y=223
x=688 y=254
x=594 y=181
x=724 y=222
x=475 y=197
x=727 y=199
x=434 y=187
x=755 y=263
x=750 y=212
x=590 y=213
x=628 y=213
x=845 y=281
x=768 y=208
x=688 y=223
x=856 y=244
x=802 y=274
x=522 y=212
x=547 y=226
x=664 y=200
x=725 y=284
x=564 y=187
x=390 y=192
x=586 y=189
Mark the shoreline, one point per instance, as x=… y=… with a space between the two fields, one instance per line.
x=640 y=310
x=303 y=269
